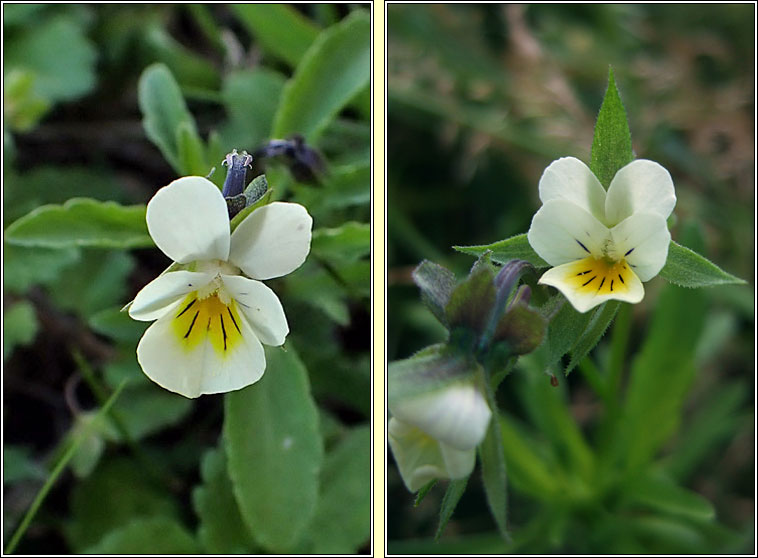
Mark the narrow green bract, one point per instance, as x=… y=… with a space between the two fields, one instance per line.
x=612 y=143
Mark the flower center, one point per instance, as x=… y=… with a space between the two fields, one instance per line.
x=600 y=275
x=208 y=317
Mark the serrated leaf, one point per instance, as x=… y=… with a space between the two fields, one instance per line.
x=281 y=30
x=492 y=456
x=334 y=69
x=19 y=326
x=154 y=535
x=687 y=268
x=513 y=248
x=221 y=529
x=82 y=222
x=601 y=319
x=612 y=142
x=163 y=111
x=455 y=490
x=436 y=284
x=342 y=522
x=274 y=451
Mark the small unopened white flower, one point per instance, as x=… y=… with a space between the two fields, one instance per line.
x=602 y=245
x=435 y=435
x=213 y=313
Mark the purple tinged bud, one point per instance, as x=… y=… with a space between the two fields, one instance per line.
x=238 y=163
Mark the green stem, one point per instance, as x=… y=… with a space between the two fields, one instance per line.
x=56 y=472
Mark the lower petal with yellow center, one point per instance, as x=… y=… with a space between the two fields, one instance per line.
x=591 y=281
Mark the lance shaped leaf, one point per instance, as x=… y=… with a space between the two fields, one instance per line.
x=687 y=268
x=612 y=142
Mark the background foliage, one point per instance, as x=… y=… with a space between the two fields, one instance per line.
x=480 y=100
x=108 y=103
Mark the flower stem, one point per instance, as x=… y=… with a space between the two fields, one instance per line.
x=57 y=470
x=619 y=343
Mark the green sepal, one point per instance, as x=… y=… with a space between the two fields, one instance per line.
x=612 y=142
x=521 y=329
x=471 y=302
x=436 y=284
x=455 y=490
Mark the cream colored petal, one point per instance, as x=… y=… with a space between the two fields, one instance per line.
x=194 y=369
x=162 y=293
x=643 y=240
x=589 y=282
x=420 y=458
x=261 y=307
x=272 y=241
x=561 y=232
x=456 y=414
x=570 y=179
x=640 y=186
x=189 y=221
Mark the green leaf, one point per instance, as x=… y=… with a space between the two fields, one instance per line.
x=251 y=98
x=423 y=491
x=221 y=529
x=661 y=494
x=117 y=325
x=163 y=111
x=687 y=268
x=601 y=319
x=345 y=244
x=25 y=267
x=455 y=490
x=660 y=376
x=155 y=535
x=274 y=450
x=61 y=74
x=564 y=331
x=429 y=370
x=19 y=326
x=190 y=69
x=492 y=456
x=436 y=284
x=190 y=151
x=82 y=222
x=145 y=410
x=527 y=469
x=513 y=248
x=612 y=142
x=18 y=465
x=280 y=29
x=334 y=69
x=342 y=522
x=117 y=492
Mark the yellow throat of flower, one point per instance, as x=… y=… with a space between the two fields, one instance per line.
x=199 y=318
x=601 y=276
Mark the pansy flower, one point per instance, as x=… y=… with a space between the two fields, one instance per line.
x=213 y=312
x=602 y=245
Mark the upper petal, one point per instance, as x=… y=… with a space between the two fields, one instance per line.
x=261 y=307
x=193 y=367
x=589 y=282
x=570 y=179
x=643 y=240
x=272 y=241
x=189 y=221
x=640 y=186
x=160 y=294
x=456 y=414
x=561 y=232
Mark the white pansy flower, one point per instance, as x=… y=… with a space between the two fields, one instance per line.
x=422 y=458
x=602 y=245
x=213 y=313
x=434 y=435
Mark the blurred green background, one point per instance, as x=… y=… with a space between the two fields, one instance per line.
x=481 y=98
x=74 y=107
